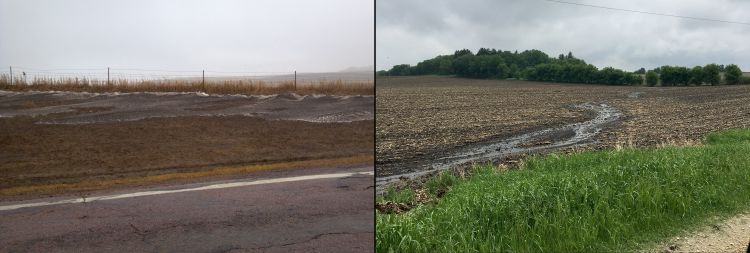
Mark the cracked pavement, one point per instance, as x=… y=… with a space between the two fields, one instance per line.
x=320 y=215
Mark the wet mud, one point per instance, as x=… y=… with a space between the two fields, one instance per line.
x=544 y=140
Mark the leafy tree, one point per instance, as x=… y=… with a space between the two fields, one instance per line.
x=514 y=71
x=503 y=71
x=682 y=75
x=711 y=74
x=484 y=51
x=538 y=66
x=632 y=79
x=400 y=70
x=733 y=74
x=668 y=76
x=532 y=58
x=671 y=76
x=445 y=66
x=652 y=78
x=462 y=52
x=696 y=75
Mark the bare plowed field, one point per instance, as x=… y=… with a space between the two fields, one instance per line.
x=424 y=119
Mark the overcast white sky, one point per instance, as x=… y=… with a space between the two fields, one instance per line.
x=409 y=31
x=258 y=35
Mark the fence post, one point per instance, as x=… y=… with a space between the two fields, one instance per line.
x=11 y=75
x=203 y=82
x=295 y=80
x=107 y=75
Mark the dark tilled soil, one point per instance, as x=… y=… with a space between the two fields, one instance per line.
x=422 y=118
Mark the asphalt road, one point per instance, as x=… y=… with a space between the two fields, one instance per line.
x=254 y=214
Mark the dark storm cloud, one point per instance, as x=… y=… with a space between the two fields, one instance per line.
x=322 y=35
x=413 y=30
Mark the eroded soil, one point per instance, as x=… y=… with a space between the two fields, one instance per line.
x=55 y=107
x=33 y=154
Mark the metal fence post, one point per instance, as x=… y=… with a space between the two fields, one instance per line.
x=203 y=82
x=107 y=75
x=11 y=75
x=295 y=80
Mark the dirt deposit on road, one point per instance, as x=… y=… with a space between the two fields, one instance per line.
x=86 y=108
x=730 y=235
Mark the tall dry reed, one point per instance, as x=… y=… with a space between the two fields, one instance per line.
x=245 y=87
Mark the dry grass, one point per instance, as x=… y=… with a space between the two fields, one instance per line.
x=176 y=177
x=245 y=87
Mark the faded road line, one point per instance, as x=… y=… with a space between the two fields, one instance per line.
x=207 y=187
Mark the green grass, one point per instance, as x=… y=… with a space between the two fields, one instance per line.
x=587 y=202
x=441 y=181
x=402 y=196
x=729 y=137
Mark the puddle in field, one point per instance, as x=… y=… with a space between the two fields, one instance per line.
x=86 y=108
x=565 y=136
x=635 y=94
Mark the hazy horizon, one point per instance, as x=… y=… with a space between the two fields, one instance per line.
x=228 y=35
x=414 y=30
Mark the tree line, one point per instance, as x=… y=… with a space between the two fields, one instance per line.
x=535 y=65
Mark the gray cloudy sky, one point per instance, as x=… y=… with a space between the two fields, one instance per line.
x=259 y=35
x=409 y=31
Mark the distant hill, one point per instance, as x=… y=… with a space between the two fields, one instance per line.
x=370 y=68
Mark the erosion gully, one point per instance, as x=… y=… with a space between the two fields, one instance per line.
x=560 y=137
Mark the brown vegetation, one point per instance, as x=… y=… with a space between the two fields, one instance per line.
x=245 y=87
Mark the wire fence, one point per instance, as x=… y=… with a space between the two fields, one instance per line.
x=28 y=75
x=207 y=81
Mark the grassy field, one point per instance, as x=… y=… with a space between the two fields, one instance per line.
x=587 y=202
x=245 y=87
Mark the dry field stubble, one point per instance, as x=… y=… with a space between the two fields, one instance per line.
x=243 y=87
x=418 y=118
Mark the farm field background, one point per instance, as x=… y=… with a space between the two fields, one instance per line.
x=421 y=119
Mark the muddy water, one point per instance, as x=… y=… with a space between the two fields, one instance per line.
x=554 y=138
x=86 y=108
